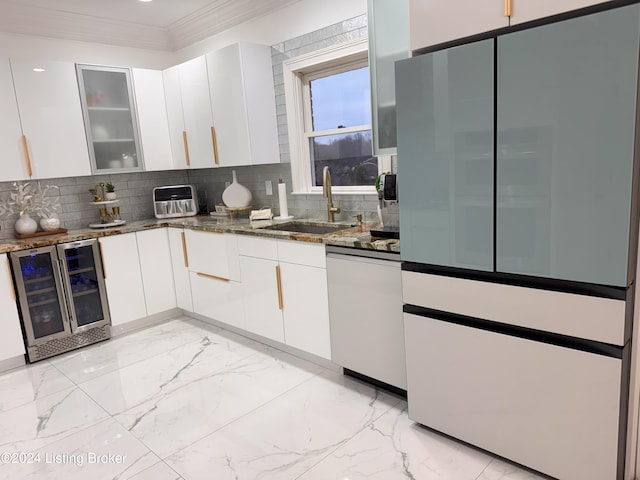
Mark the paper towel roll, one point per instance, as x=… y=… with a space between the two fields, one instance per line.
x=282 y=197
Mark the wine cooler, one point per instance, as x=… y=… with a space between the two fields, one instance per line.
x=62 y=297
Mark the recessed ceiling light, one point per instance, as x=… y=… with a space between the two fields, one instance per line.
x=38 y=69
x=146 y=0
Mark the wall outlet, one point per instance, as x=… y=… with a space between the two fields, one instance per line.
x=269 y=187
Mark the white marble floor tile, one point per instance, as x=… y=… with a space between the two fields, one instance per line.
x=499 y=470
x=26 y=384
x=150 y=379
x=47 y=420
x=160 y=471
x=288 y=435
x=87 y=363
x=186 y=414
x=100 y=452
x=393 y=448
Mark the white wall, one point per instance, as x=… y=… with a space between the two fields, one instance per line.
x=289 y=22
x=27 y=46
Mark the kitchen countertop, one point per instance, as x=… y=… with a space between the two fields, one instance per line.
x=350 y=236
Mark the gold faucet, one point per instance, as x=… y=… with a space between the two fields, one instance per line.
x=326 y=192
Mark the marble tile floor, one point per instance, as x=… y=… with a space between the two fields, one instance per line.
x=186 y=400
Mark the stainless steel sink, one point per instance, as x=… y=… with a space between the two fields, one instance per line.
x=316 y=228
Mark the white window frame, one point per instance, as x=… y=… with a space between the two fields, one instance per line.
x=336 y=58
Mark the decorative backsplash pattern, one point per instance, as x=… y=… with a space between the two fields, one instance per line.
x=134 y=189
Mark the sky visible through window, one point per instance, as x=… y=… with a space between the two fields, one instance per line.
x=341 y=100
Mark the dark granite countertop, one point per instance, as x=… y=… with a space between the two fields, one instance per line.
x=350 y=236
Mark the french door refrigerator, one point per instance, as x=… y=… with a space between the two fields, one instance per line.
x=62 y=297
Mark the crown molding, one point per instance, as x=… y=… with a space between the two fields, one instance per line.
x=45 y=22
x=219 y=16
x=205 y=22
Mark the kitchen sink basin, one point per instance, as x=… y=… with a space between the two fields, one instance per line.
x=306 y=227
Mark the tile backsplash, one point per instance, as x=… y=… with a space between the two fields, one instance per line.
x=134 y=190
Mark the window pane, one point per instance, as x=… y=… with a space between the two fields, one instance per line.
x=341 y=100
x=348 y=156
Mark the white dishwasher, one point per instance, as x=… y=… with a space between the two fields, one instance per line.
x=365 y=310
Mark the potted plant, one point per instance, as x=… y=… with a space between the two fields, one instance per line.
x=111 y=192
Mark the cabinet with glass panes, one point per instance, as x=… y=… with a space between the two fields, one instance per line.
x=110 y=118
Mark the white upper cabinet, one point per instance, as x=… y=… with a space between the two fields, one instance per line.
x=51 y=116
x=438 y=21
x=243 y=104
x=14 y=166
x=189 y=112
x=527 y=10
x=152 y=118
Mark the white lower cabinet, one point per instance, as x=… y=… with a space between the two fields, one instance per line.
x=284 y=292
x=217 y=298
x=157 y=270
x=123 y=278
x=181 y=278
x=548 y=407
x=262 y=313
x=11 y=342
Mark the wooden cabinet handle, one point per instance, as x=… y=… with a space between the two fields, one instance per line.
x=212 y=277
x=214 y=139
x=27 y=157
x=186 y=148
x=508 y=8
x=184 y=250
x=279 y=282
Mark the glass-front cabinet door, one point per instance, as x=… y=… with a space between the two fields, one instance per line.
x=566 y=112
x=445 y=156
x=110 y=118
x=84 y=281
x=41 y=294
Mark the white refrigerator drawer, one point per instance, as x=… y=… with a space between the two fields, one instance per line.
x=551 y=408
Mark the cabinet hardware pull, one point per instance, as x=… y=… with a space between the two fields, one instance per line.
x=186 y=148
x=279 y=282
x=508 y=8
x=13 y=288
x=27 y=158
x=212 y=277
x=214 y=139
x=184 y=250
x=104 y=268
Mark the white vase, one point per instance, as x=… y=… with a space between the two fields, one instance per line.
x=50 y=223
x=26 y=225
x=236 y=195
x=110 y=195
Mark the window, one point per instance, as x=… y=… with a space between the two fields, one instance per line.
x=329 y=116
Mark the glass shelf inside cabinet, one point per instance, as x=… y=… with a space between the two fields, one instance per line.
x=110 y=118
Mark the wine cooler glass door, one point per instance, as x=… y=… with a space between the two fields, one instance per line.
x=83 y=277
x=41 y=296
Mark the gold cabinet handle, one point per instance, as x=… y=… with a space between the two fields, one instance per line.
x=279 y=282
x=212 y=277
x=104 y=268
x=186 y=148
x=13 y=289
x=508 y=8
x=214 y=139
x=27 y=157
x=184 y=250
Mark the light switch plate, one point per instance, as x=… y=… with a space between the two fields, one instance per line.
x=269 y=187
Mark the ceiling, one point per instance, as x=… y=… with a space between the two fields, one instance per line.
x=159 y=24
